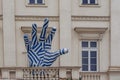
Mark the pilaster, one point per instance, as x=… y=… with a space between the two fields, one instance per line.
x=115 y=32
x=114 y=72
x=9 y=33
x=65 y=30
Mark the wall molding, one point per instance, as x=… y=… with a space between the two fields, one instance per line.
x=56 y=18
x=1 y=17
x=36 y=18
x=90 y=32
x=90 y=18
x=28 y=29
x=114 y=69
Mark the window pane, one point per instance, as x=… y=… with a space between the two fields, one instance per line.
x=93 y=61
x=93 y=54
x=32 y=1
x=84 y=53
x=39 y=1
x=92 y=1
x=93 y=44
x=84 y=67
x=93 y=68
x=84 y=44
x=84 y=60
x=85 y=2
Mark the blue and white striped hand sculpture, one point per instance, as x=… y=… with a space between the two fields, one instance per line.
x=38 y=51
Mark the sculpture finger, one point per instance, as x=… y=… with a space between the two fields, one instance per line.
x=63 y=51
x=34 y=35
x=26 y=40
x=43 y=32
x=50 y=57
x=49 y=39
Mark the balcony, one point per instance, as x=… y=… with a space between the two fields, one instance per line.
x=39 y=73
x=49 y=73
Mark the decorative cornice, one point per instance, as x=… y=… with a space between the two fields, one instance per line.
x=27 y=29
x=90 y=18
x=56 y=18
x=1 y=17
x=114 y=69
x=90 y=32
x=36 y=18
x=99 y=30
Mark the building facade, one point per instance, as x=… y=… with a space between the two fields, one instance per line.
x=88 y=28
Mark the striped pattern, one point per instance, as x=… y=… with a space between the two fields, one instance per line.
x=39 y=50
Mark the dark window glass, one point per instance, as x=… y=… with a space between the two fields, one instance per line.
x=93 y=68
x=84 y=60
x=93 y=54
x=84 y=53
x=84 y=67
x=32 y=1
x=85 y=2
x=93 y=61
x=93 y=57
x=39 y=1
x=84 y=44
x=93 y=44
x=92 y=1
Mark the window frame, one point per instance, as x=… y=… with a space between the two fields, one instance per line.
x=44 y=4
x=36 y=2
x=97 y=4
x=90 y=49
x=89 y=2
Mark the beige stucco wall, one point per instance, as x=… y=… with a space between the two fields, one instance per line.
x=51 y=8
x=75 y=49
x=0 y=7
x=1 y=36
x=115 y=31
x=104 y=58
x=99 y=10
x=96 y=24
x=1 y=44
x=115 y=40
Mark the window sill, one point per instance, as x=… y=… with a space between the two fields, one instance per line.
x=89 y=71
x=36 y=5
x=89 y=5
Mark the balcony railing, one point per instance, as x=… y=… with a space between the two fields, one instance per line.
x=39 y=73
x=94 y=75
x=49 y=73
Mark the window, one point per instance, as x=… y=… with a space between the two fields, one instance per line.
x=89 y=55
x=36 y=1
x=89 y=2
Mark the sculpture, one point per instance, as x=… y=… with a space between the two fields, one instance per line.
x=38 y=51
